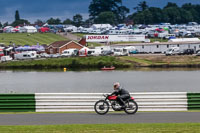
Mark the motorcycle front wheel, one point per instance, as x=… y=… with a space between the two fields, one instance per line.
x=131 y=107
x=101 y=107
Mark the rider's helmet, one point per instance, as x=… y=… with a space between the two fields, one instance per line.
x=116 y=85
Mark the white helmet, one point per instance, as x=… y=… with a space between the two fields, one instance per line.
x=116 y=85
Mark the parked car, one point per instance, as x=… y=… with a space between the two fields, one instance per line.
x=186 y=52
x=6 y=58
x=44 y=55
x=134 y=52
x=54 y=55
x=198 y=53
x=107 y=52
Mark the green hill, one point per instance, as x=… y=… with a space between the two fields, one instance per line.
x=30 y=39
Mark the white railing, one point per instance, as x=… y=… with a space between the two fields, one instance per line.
x=149 y=101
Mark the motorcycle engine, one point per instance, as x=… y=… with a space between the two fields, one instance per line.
x=115 y=106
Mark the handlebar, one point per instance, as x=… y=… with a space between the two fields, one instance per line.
x=105 y=95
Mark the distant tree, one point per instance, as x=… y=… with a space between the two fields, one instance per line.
x=17 y=17
x=58 y=21
x=144 y=17
x=186 y=16
x=188 y=6
x=20 y=22
x=67 y=21
x=157 y=15
x=98 y=6
x=172 y=15
x=193 y=12
x=122 y=11
x=39 y=22
x=77 y=20
x=54 y=21
x=141 y=6
x=5 y=24
x=1 y=25
x=106 y=18
x=88 y=22
x=170 y=4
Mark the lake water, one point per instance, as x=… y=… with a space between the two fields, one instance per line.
x=99 y=81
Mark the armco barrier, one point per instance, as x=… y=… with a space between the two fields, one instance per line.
x=17 y=102
x=154 y=101
x=193 y=101
x=52 y=102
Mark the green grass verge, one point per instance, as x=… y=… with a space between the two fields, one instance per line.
x=95 y=63
x=70 y=63
x=93 y=44
x=106 y=128
x=81 y=34
x=158 y=39
x=159 y=61
x=30 y=39
x=136 y=60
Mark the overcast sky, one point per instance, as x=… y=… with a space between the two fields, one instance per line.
x=44 y=9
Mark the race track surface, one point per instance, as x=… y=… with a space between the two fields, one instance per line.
x=93 y=118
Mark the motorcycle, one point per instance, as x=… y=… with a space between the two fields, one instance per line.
x=102 y=107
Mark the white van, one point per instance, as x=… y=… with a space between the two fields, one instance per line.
x=6 y=58
x=172 y=51
x=69 y=52
x=94 y=52
x=26 y=55
x=120 y=52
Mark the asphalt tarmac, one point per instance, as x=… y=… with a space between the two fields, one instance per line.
x=93 y=118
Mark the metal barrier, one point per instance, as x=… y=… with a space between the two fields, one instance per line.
x=154 y=101
x=17 y=102
x=193 y=101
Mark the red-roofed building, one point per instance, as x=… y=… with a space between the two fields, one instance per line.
x=59 y=46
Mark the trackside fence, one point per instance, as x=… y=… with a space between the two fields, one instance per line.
x=62 y=102
x=193 y=101
x=17 y=103
x=155 y=101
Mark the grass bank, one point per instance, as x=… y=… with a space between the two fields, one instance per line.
x=71 y=63
x=30 y=39
x=162 y=61
x=95 y=63
x=106 y=128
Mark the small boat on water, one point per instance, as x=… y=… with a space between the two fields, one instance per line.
x=108 y=68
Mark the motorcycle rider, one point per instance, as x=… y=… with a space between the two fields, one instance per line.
x=121 y=94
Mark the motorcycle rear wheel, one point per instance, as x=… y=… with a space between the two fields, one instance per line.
x=101 y=107
x=131 y=107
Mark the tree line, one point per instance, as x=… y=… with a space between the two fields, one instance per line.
x=114 y=12
x=171 y=13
